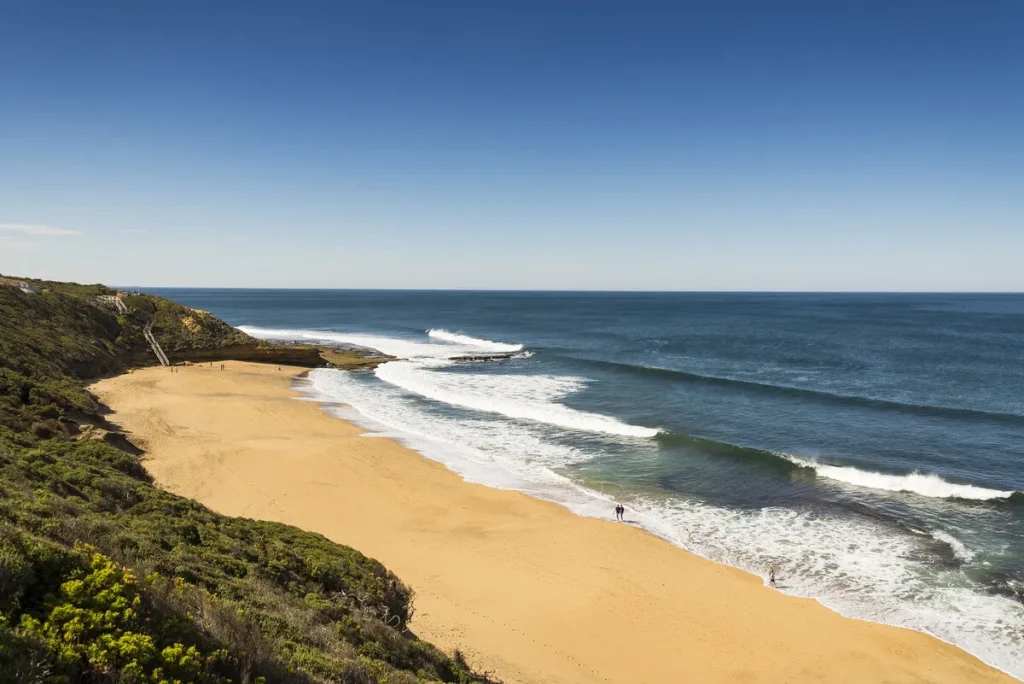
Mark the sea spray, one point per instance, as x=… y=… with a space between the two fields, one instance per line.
x=456 y=338
x=401 y=348
x=923 y=484
x=959 y=549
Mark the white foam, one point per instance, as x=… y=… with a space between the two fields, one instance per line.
x=406 y=349
x=526 y=397
x=487 y=451
x=515 y=396
x=858 y=567
x=925 y=484
x=456 y=338
x=960 y=549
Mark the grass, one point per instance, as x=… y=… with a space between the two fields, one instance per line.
x=104 y=577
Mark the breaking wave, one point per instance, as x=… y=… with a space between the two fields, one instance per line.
x=768 y=388
x=421 y=370
x=525 y=397
x=959 y=549
x=861 y=567
x=406 y=349
x=924 y=484
x=456 y=338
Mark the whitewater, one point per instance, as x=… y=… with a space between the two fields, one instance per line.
x=456 y=338
x=924 y=484
x=507 y=428
x=420 y=368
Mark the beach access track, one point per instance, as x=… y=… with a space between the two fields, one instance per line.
x=160 y=355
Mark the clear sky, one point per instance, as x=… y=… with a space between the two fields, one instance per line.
x=511 y=144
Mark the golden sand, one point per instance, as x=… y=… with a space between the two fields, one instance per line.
x=524 y=588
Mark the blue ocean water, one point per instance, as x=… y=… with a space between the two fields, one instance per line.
x=870 y=447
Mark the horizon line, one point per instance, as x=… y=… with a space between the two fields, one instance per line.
x=565 y=291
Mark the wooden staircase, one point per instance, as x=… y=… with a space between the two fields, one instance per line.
x=154 y=345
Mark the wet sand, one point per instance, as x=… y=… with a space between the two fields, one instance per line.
x=524 y=588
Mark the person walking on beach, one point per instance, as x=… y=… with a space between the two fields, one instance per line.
x=771 y=575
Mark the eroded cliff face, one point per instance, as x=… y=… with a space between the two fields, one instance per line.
x=285 y=355
x=89 y=331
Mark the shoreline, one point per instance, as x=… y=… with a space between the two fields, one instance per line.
x=594 y=501
x=525 y=587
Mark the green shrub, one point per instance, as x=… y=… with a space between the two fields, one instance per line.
x=96 y=625
x=106 y=578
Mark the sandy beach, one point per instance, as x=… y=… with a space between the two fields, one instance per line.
x=526 y=589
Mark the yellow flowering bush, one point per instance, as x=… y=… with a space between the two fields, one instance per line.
x=94 y=626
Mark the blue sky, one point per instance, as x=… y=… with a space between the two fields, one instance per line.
x=523 y=145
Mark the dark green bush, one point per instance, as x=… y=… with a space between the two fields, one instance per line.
x=106 y=578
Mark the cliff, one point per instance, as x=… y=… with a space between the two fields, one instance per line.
x=93 y=330
x=104 y=577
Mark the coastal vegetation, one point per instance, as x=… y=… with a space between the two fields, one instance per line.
x=104 y=577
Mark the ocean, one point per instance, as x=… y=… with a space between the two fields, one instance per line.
x=870 y=447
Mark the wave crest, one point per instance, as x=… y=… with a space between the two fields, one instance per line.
x=391 y=346
x=959 y=549
x=809 y=392
x=457 y=338
x=924 y=484
x=528 y=397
